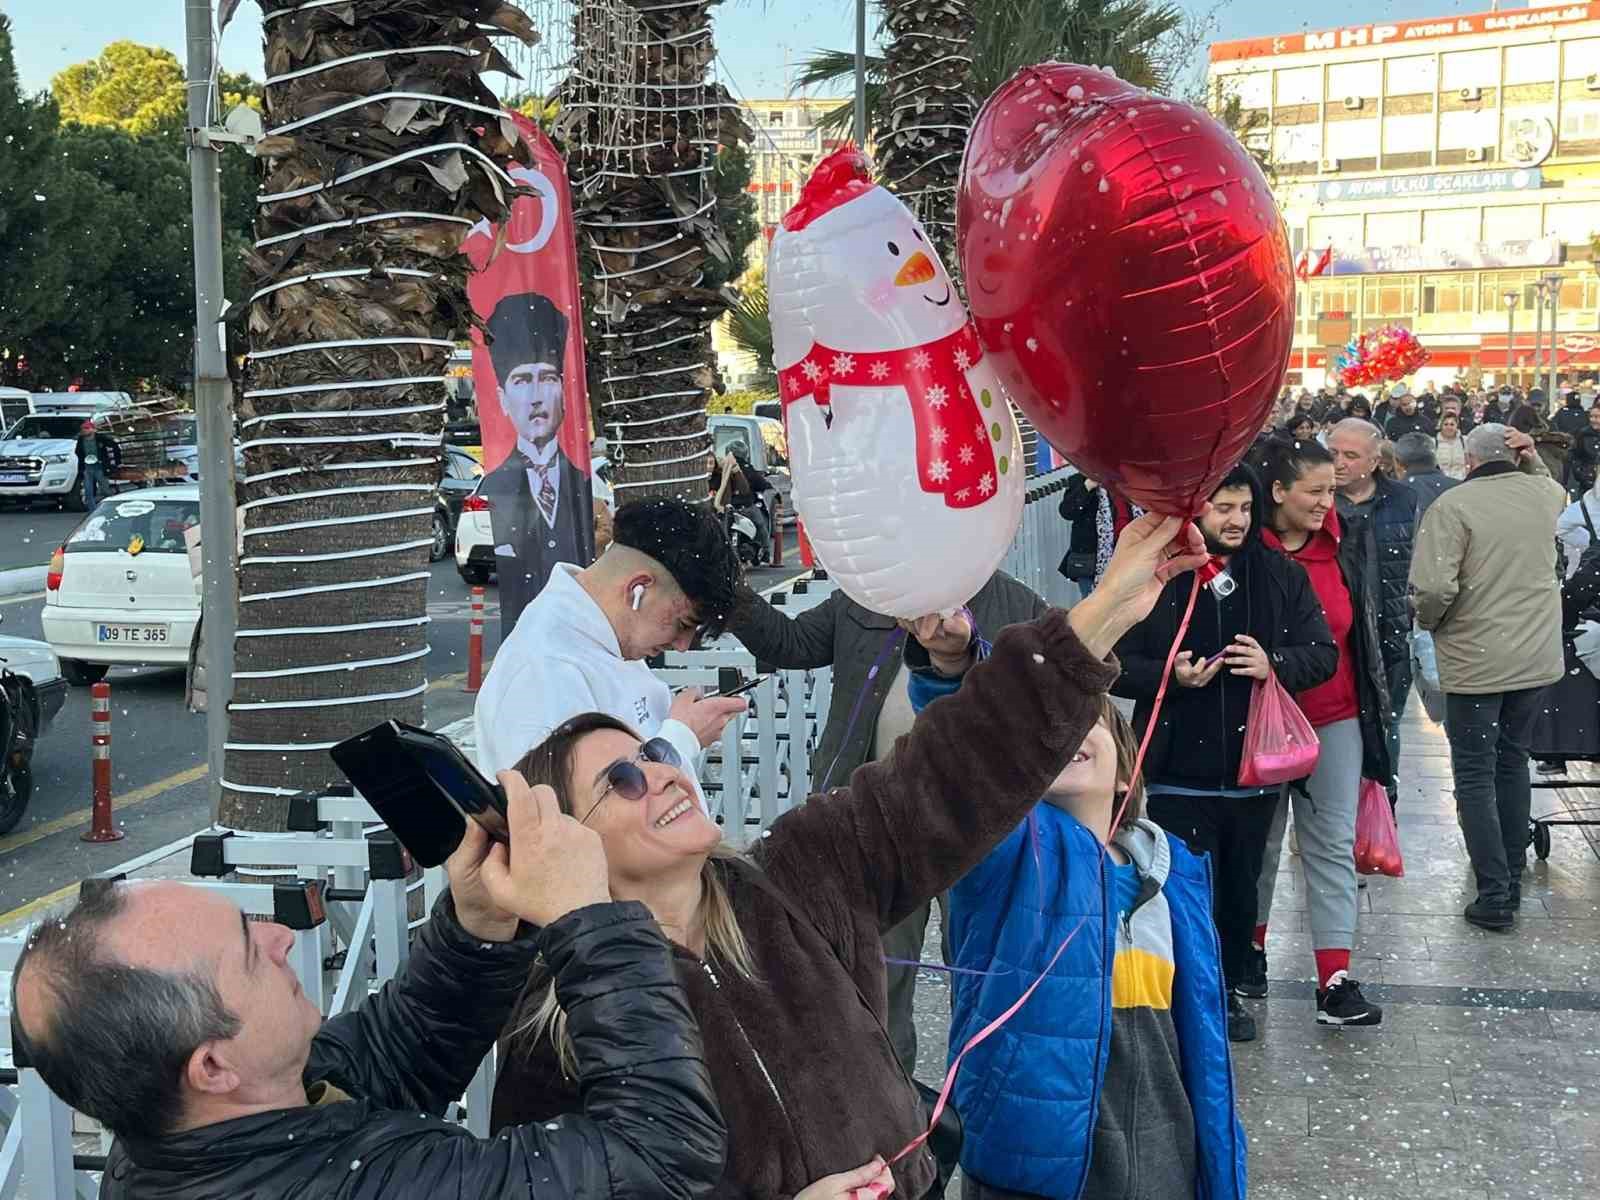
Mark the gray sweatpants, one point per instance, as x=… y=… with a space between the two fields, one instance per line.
x=1326 y=827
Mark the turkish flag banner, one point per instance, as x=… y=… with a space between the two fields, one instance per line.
x=529 y=379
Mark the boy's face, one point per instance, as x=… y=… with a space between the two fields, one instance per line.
x=1089 y=780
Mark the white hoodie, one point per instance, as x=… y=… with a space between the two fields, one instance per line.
x=1573 y=531
x=561 y=660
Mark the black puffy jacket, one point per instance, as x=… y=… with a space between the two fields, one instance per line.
x=648 y=1127
x=1385 y=541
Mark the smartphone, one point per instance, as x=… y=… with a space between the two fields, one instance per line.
x=422 y=787
x=740 y=689
x=1215 y=658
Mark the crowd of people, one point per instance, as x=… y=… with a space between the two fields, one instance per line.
x=680 y=1018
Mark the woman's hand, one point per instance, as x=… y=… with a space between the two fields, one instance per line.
x=1150 y=552
x=870 y=1182
x=1246 y=657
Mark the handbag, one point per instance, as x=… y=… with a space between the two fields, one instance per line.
x=1079 y=565
x=1279 y=743
x=947 y=1135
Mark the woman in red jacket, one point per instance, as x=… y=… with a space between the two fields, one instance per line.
x=1303 y=523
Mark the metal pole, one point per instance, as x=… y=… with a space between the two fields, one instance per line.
x=1511 y=338
x=861 y=73
x=1538 y=333
x=1555 y=313
x=213 y=396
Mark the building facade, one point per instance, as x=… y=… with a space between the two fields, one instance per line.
x=788 y=143
x=1452 y=167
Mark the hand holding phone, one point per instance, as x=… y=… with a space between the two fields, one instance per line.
x=749 y=685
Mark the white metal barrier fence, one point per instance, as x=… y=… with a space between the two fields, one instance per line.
x=349 y=901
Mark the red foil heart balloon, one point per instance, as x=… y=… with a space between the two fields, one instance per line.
x=1129 y=273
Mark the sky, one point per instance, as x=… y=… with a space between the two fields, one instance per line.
x=753 y=36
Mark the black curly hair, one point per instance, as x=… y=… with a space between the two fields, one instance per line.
x=689 y=542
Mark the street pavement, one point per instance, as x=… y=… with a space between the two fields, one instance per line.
x=29 y=536
x=159 y=784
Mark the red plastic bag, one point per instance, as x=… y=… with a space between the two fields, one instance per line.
x=1279 y=743
x=1377 y=841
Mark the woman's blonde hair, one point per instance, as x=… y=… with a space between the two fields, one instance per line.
x=538 y=1015
x=1127 y=743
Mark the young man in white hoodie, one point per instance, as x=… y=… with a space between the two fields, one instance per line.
x=668 y=577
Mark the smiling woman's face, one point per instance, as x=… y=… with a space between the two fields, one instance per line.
x=643 y=838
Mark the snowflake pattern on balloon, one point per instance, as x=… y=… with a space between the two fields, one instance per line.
x=986 y=484
x=921 y=360
x=963 y=360
x=879 y=370
x=937 y=396
x=966 y=455
x=843 y=364
x=938 y=435
x=813 y=372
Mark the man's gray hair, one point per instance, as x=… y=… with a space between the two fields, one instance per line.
x=1487 y=444
x=1415 y=452
x=1358 y=425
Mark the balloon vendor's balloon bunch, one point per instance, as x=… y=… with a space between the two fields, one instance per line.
x=1380 y=356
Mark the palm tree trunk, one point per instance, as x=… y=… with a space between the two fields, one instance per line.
x=927 y=111
x=641 y=126
x=357 y=293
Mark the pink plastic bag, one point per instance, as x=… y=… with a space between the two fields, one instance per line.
x=1377 y=840
x=1279 y=743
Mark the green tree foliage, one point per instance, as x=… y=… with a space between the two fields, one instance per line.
x=1147 y=42
x=35 y=239
x=736 y=214
x=95 y=226
x=749 y=327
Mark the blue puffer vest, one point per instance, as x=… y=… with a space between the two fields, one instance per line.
x=1030 y=1094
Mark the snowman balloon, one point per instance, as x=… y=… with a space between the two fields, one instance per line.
x=907 y=464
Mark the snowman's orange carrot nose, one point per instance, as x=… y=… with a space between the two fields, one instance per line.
x=918 y=269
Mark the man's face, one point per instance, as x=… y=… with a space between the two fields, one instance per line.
x=1594 y=419
x=1355 y=457
x=1408 y=404
x=1227 y=523
x=170 y=927
x=532 y=399
x=665 y=620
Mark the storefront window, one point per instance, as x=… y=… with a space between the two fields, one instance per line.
x=1386 y=297
x=1449 y=294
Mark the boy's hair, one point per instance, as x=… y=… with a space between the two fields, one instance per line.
x=1130 y=802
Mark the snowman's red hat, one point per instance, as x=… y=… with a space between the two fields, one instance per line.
x=841 y=177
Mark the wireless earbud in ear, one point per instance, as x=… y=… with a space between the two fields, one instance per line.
x=638 y=596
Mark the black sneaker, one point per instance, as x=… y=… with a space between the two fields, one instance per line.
x=1516 y=893
x=1241 y=1025
x=1493 y=916
x=1343 y=1004
x=1254 y=984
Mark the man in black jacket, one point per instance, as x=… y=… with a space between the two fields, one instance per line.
x=872 y=660
x=1258 y=618
x=160 y=1010
x=1381 y=515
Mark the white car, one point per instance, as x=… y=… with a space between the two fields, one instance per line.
x=35 y=660
x=39 y=459
x=119 y=591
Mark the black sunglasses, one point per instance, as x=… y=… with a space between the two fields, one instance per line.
x=626 y=777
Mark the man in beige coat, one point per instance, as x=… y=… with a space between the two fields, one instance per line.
x=1483 y=576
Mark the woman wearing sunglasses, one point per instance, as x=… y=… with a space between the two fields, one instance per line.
x=779 y=949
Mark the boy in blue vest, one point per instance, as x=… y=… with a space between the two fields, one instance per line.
x=1114 y=1079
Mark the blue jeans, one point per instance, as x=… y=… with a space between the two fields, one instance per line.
x=1489 y=757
